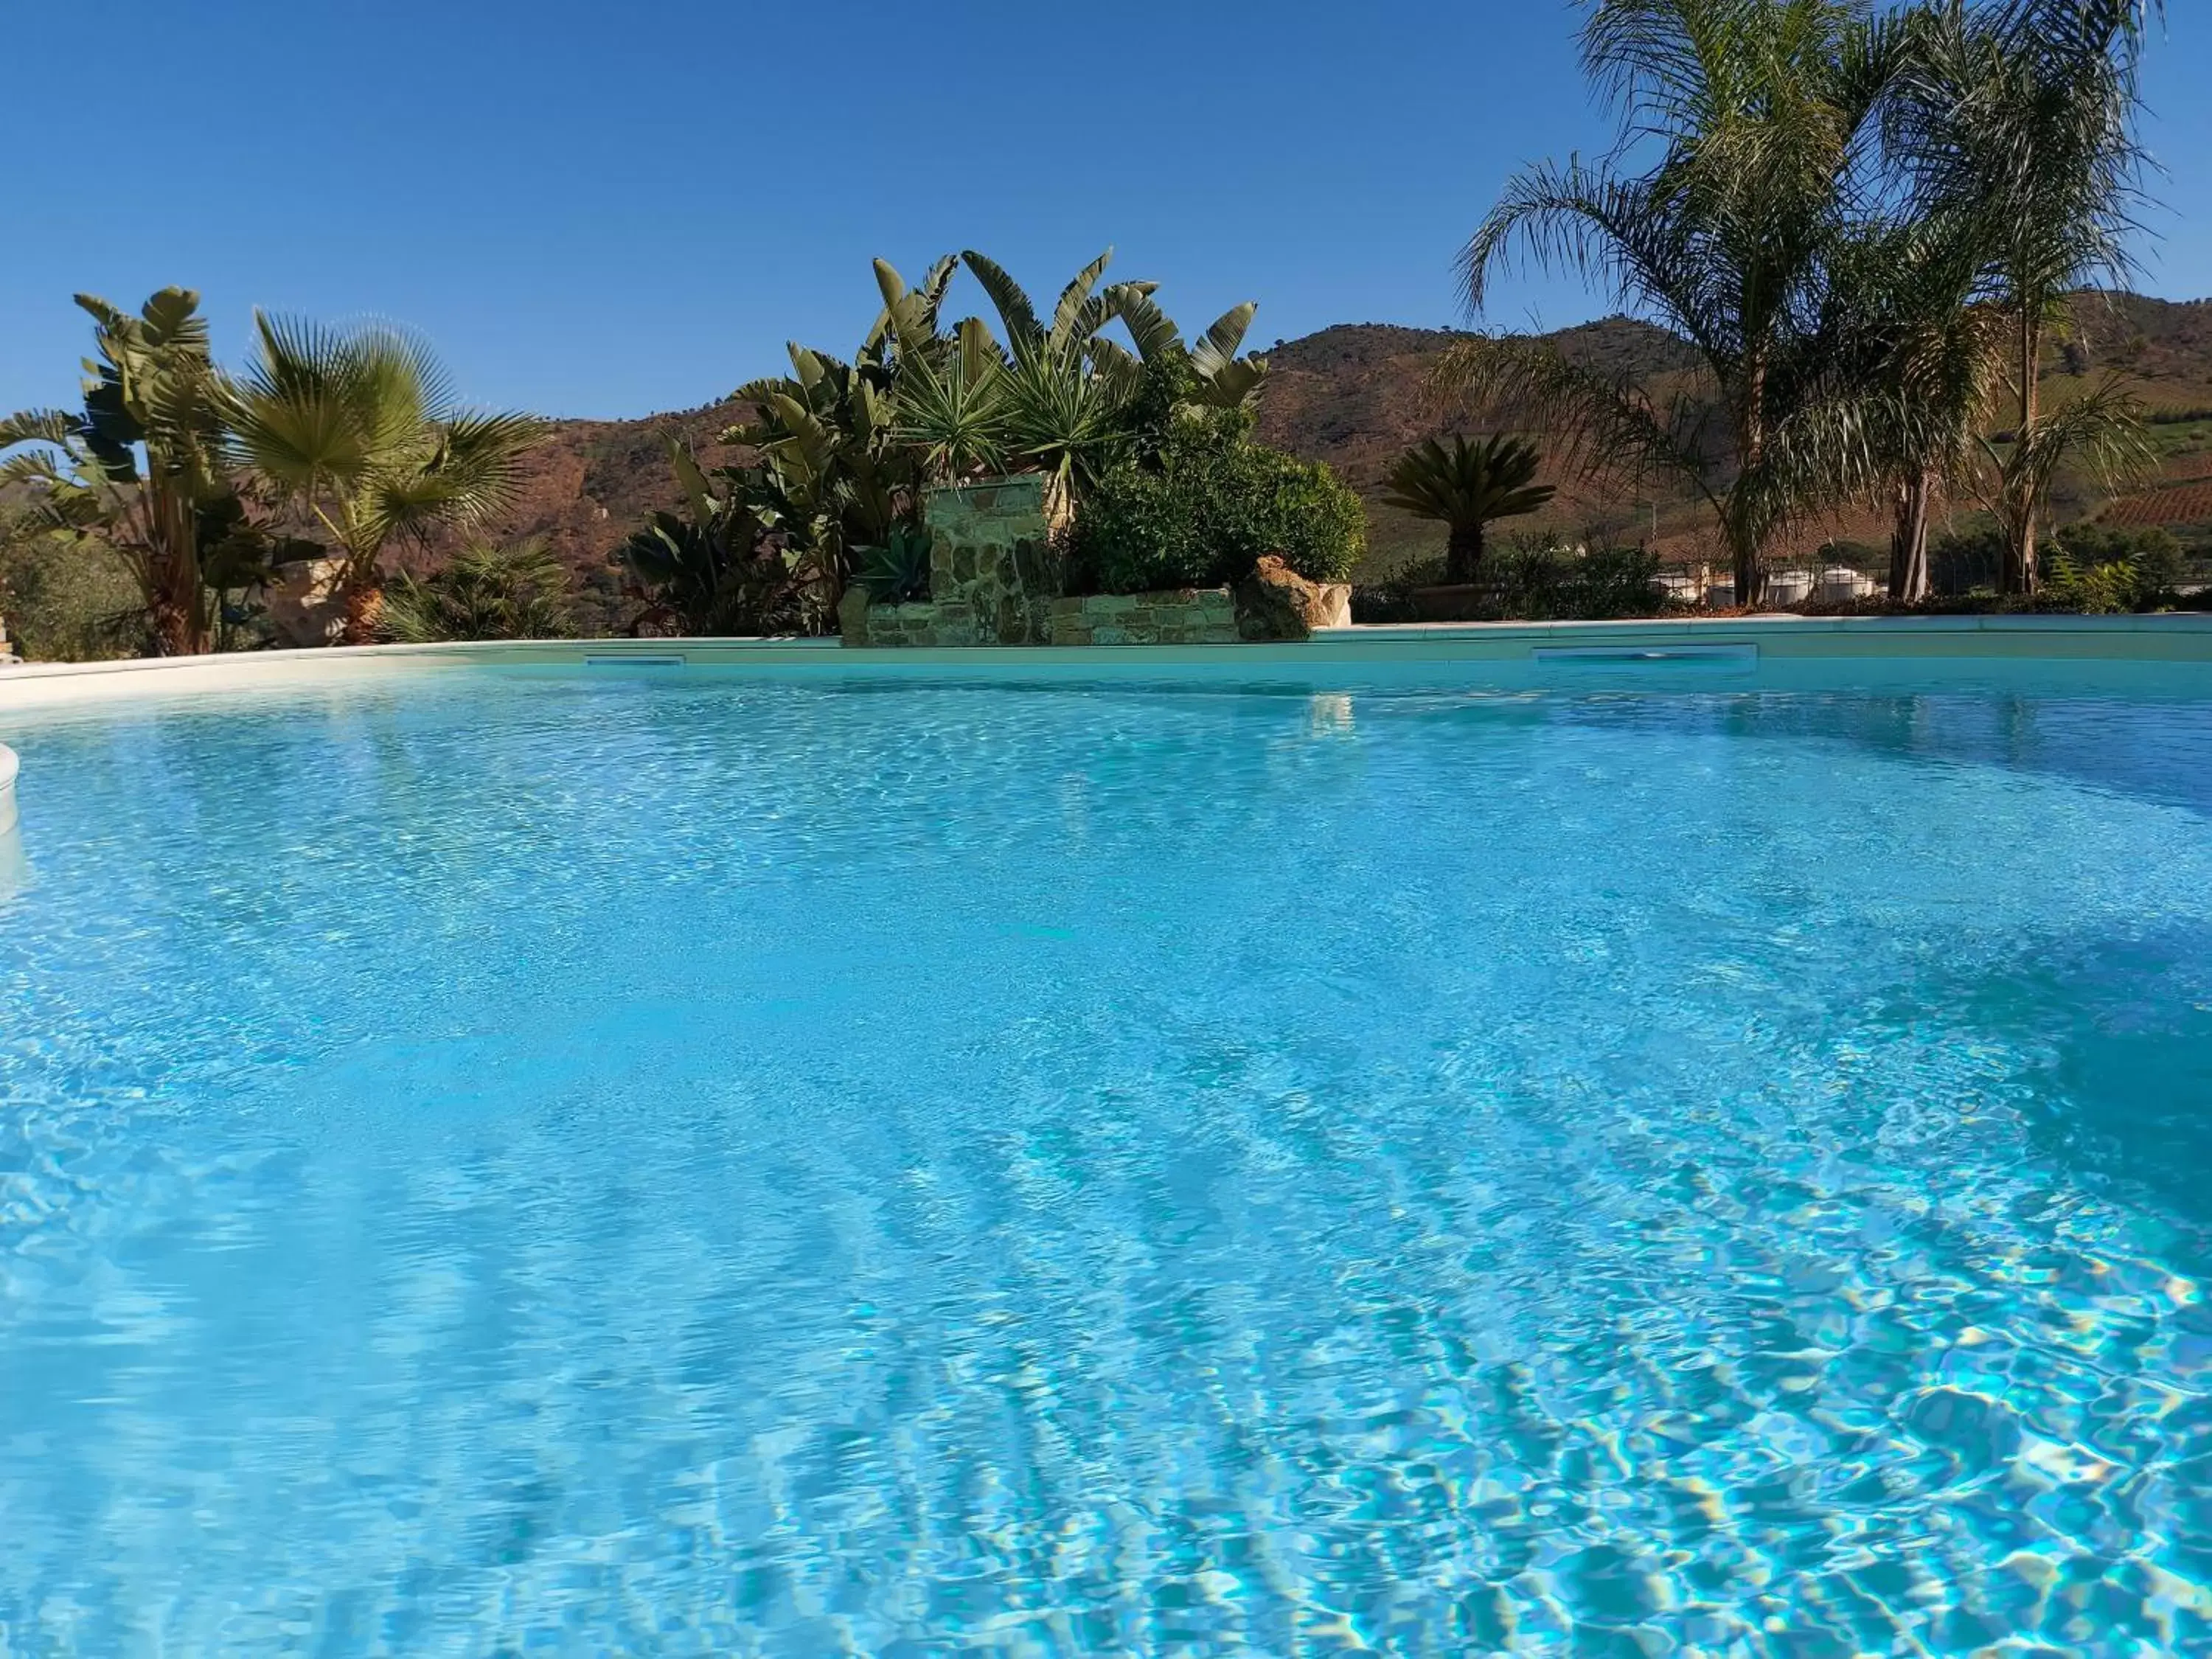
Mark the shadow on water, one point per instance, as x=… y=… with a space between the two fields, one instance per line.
x=2151 y=753
x=2122 y=1097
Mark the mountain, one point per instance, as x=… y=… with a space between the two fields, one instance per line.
x=1355 y=396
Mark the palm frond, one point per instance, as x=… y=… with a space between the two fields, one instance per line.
x=1601 y=423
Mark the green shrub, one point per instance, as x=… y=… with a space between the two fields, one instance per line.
x=2086 y=566
x=66 y=598
x=1531 y=581
x=1962 y=560
x=2152 y=555
x=1537 y=581
x=1205 y=508
x=482 y=593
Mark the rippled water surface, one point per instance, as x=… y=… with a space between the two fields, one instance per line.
x=515 y=1168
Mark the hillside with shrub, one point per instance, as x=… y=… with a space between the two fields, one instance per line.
x=1355 y=395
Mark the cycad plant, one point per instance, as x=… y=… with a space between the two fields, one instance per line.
x=358 y=428
x=1466 y=487
x=142 y=463
x=1760 y=116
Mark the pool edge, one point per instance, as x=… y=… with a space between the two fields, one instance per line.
x=2175 y=639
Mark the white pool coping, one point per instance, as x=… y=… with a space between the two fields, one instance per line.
x=1841 y=649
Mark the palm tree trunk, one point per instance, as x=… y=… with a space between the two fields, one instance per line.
x=1750 y=577
x=1908 y=541
x=2020 y=572
x=176 y=603
x=364 y=608
x=1463 y=553
x=1751 y=448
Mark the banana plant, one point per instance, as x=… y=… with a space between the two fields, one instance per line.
x=143 y=463
x=705 y=568
x=1216 y=377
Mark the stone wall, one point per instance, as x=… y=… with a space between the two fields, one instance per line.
x=1187 y=616
x=995 y=579
x=994 y=573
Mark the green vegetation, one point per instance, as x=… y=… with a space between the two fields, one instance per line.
x=2093 y=567
x=358 y=428
x=482 y=592
x=1205 y=505
x=141 y=472
x=1531 y=579
x=195 y=482
x=65 y=600
x=898 y=569
x=1865 y=224
x=1467 y=487
x=1145 y=442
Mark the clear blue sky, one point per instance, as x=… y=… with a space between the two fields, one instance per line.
x=614 y=208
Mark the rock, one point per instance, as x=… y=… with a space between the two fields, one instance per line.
x=852 y=615
x=1335 y=608
x=1276 y=603
x=304 y=606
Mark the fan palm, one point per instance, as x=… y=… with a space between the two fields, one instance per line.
x=1467 y=487
x=142 y=462
x=358 y=428
x=484 y=593
x=1762 y=112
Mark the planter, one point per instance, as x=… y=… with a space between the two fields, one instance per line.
x=993 y=571
x=1454 y=601
x=1182 y=616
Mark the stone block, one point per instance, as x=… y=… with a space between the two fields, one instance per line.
x=852 y=615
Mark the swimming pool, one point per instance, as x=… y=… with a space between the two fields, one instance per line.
x=692 y=1166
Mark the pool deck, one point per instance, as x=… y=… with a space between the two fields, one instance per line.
x=1841 y=653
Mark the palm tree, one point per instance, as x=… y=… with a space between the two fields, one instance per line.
x=1465 y=488
x=1762 y=111
x=484 y=593
x=1914 y=335
x=2017 y=119
x=143 y=462
x=358 y=428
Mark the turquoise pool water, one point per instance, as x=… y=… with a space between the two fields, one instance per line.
x=503 y=1168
